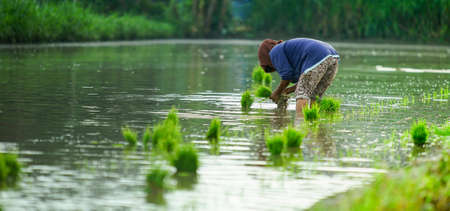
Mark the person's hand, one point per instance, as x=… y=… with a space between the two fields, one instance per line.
x=275 y=96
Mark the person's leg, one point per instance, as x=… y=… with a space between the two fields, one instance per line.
x=306 y=85
x=327 y=78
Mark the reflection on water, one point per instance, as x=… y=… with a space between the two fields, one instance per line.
x=61 y=109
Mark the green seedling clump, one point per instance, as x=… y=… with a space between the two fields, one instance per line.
x=213 y=134
x=172 y=116
x=166 y=136
x=443 y=131
x=9 y=170
x=146 y=137
x=185 y=159
x=267 y=80
x=258 y=75
x=329 y=105
x=311 y=113
x=156 y=179
x=293 y=137
x=263 y=91
x=130 y=136
x=275 y=144
x=419 y=133
x=246 y=100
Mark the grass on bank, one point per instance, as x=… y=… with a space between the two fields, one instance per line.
x=29 y=21
x=422 y=187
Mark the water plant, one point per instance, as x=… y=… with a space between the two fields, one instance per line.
x=258 y=75
x=185 y=159
x=166 y=136
x=146 y=137
x=213 y=134
x=275 y=144
x=246 y=100
x=311 y=113
x=130 y=136
x=172 y=116
x=10 y=169
x=419 y=132
x=293 y=137
x=329 y=105
x=156 y=179
x=263 y=91
x=267 y=80
x=443 y=131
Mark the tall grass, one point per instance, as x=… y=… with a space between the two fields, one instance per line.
x=29 y=21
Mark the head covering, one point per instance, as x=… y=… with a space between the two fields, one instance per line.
x=263 y=51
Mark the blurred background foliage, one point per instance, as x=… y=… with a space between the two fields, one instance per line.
x=424 y=21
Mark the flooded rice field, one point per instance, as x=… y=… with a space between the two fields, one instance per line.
x=62 y=108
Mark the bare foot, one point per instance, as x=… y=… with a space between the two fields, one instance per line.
x=301 y=103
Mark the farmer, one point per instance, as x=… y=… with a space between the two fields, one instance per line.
x=310 y=64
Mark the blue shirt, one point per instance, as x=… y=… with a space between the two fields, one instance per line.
x=294 y=57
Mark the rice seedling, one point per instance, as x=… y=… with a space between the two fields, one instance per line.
x=267 y=80
x=311 y=113
x=166 y=136
x=419 y=132
x=146 y=137
x=443 y=131
x=263 y=91
x=156 y=179
x=172 y=116
x=275 y=144
x=258 y=75
x=329 y=105
x=130 y=136
x=213 y=134
x=185 y=159
x=246 y=101
x=10 y=169
x=293 y=137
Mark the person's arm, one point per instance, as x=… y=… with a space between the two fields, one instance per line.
x=277 y=92
x=291 y=89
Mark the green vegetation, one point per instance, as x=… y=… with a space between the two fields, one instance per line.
x=213 y=134
x=146 y=137
x=329 y=105
x=246 y=101
x=30 y=21
x=419 y=133
x=10 y=169
x=166 y=136
x=258 y=75
x=443 y=131
x=156 y=180
x=423 y=187
x=293 y=137
x=263 y=91
x=172 y=116
x=275 y=144
x=185 y=159
x=311 y=113
x=267 y=80
x=130 y=136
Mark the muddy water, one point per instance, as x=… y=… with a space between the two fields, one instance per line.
x=62 y=107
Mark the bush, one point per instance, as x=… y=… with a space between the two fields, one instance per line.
x=263 y=91
x=246 y=101
x=329 y=105
x=275 y=144
x=185 y=159
x=311 y=113
x=293 y=137
x=419 y=133
x=213 y=134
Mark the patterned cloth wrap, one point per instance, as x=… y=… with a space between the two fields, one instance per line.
x=316 y=81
